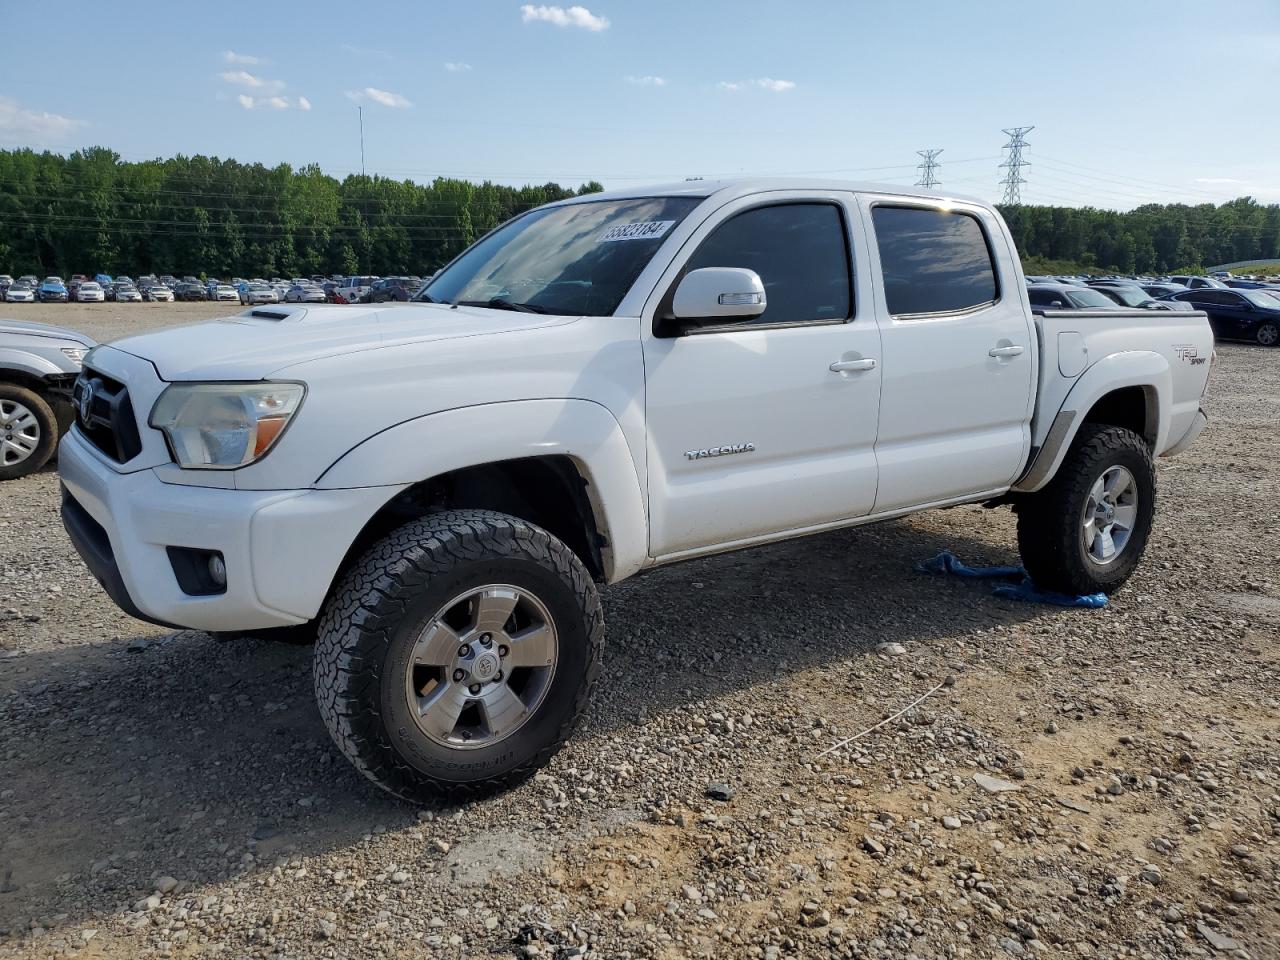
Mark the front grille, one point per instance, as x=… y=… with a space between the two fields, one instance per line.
x=104 y=415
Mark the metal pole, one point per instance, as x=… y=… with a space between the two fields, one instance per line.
x=361 y=110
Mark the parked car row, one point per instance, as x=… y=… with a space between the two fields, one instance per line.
x=1235 y=313
x=251 y=292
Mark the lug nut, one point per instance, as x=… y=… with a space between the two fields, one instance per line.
x=503 y=650
x=474 y=688
x=486 y=638
x=497 y=677
x=464 y=651
x=459 y=675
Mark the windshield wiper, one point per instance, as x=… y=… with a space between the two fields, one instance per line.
x=501 y=303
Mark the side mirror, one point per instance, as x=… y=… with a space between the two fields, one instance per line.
x=719 y=294
x=1057 y=304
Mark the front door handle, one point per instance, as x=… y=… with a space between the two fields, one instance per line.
x=1014 y=351
x=852 y=366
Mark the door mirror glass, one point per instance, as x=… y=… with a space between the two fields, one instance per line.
x=719 y=295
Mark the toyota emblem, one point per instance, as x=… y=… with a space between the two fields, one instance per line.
x=86 y=402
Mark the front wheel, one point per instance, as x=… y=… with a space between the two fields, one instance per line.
x=457 y=656
x=1268 y=334
x=1086 y=531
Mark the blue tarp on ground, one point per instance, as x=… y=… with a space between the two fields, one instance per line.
x=1018 y=587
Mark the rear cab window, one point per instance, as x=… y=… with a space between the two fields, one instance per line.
x=933 y=261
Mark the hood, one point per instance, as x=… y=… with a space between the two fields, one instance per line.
x=257 y=343
x=29 y=329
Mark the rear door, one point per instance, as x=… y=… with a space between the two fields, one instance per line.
x=751 y=433
x=959 y=352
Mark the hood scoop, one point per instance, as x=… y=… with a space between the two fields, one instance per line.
x=270 y=314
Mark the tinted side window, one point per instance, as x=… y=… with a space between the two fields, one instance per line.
x=933 y=261
x=800 y=252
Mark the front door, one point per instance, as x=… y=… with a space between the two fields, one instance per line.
x=959 y=354
x=750 y=431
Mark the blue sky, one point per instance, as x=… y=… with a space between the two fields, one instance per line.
x=1132 y=100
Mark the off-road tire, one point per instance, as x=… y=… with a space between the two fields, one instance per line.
x=381 y=605
x=1049 y=535
x=1268 y=334
x=48 y=422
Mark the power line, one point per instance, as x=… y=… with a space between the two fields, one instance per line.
x=928 y=168
x=1014 y=180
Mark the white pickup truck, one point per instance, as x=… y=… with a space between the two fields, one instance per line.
x=435 y=492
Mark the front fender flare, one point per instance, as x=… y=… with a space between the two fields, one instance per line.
x=1132 y=368
x=582 y=430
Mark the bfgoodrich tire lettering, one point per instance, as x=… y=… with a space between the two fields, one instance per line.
x=381 y=612
x=1052 y=524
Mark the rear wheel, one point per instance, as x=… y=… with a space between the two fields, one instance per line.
x=457 y=656
x=28 y=431
x=1268 y=334
x=1086 y=531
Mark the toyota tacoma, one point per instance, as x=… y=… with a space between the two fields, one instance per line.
x=436 y=493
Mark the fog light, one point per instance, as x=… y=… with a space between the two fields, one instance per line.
x=218 y=569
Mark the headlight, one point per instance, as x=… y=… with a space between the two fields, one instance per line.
x=75 y=354
x=221 y=426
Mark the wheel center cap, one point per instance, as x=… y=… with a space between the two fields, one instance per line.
x=485 y=666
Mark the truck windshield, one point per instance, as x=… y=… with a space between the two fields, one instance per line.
x=575 y=260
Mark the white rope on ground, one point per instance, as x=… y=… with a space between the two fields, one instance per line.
x=913 y=704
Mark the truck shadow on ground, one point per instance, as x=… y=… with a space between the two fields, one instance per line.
x=183 y=757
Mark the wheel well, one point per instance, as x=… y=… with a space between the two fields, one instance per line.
x=1129 y=407
x=546 y=491
x=25 y=380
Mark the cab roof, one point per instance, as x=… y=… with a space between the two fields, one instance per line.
x=731 y=189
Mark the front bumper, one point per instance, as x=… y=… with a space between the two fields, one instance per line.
x=282 y=548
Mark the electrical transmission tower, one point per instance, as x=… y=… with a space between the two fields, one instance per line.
x=1013 y=180
x=928 y=168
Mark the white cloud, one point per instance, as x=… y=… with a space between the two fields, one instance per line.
x=242 y=78
x=647 y=81
x=458 y=67
x=384 y=97
x=1218 y=180
x=34 y=128
x=573 y=17
x=764 y=83
x=272 y=103
x=230 y=56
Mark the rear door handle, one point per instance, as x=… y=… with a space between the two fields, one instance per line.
x=1014 y=351
x=852 y=366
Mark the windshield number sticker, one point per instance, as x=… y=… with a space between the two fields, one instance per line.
x=646 y=230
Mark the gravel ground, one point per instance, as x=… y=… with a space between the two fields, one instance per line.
x=1092 y=783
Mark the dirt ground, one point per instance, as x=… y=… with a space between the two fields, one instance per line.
x=1081 y=783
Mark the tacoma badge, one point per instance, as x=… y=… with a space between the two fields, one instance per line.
x=724 y=451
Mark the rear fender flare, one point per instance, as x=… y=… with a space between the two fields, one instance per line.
x=1135 y=368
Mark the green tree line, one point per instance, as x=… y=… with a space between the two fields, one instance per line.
x=92 y=212
x=1154 y=238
